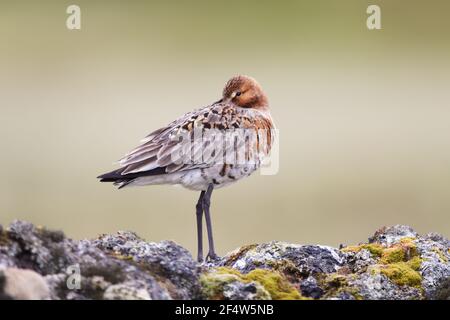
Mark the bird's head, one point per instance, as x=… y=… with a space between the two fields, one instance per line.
x=245 y=92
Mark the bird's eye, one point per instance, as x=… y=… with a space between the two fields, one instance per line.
x=238 y=93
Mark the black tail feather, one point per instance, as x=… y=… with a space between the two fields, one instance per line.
x=112 y=176
x=117 y=177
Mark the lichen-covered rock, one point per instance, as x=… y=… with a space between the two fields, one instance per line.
x=165 y=259
x=391 y=235
x=291 y=258
x=396 y=263
x=310 y=288
x=434 y=251
x=86 y=270
x=132 y=290
x=378 y=287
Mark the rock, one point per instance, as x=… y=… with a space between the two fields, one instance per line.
x=165 y=259
x=311 y=288
x=79 y=269
x=127 y=291
x=300 y=259
x=22 y=284
x=396 y=263
x=225 y=284
x=379 y=287
x=442 y=291
x=434 y=251
x=390 y=235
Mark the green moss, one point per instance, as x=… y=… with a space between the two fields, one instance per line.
x=228 y=271
x=401 y=263
x=273 y=283
x=401 y=251
x=404 y=250
x=336 y=280
x=409 y=247
x=375 y=249
x=415 y=263
x=403 y=273
x=392 y=255
x=277 y=286
x=335 y=284
x=213 y=282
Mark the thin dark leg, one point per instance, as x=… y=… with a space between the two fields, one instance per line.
x=199 y=213
x=206 y=204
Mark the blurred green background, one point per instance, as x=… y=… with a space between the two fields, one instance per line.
x=364 y=116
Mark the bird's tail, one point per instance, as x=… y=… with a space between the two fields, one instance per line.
x=123 y=180
x=116 y=178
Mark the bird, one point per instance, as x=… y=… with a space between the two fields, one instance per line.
x=243 y=127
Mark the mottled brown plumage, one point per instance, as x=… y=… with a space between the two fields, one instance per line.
x=160 y=159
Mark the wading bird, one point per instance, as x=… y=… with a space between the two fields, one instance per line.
x=164 y=158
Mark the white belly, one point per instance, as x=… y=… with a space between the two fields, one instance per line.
x=200 y=179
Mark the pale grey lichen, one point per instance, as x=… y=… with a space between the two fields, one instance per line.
x=50 y=254
x=435 y=268
x=164 y=259
x=237 y=290
x=132 y=290
x=306 y=259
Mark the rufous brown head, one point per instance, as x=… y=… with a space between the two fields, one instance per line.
x=245 y=92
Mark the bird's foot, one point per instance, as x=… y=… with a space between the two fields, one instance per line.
x=212 y=257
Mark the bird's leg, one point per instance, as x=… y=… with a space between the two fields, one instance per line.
x=206 y=204
x=199 y=213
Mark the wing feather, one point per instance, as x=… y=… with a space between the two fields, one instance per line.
x=162 y=150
